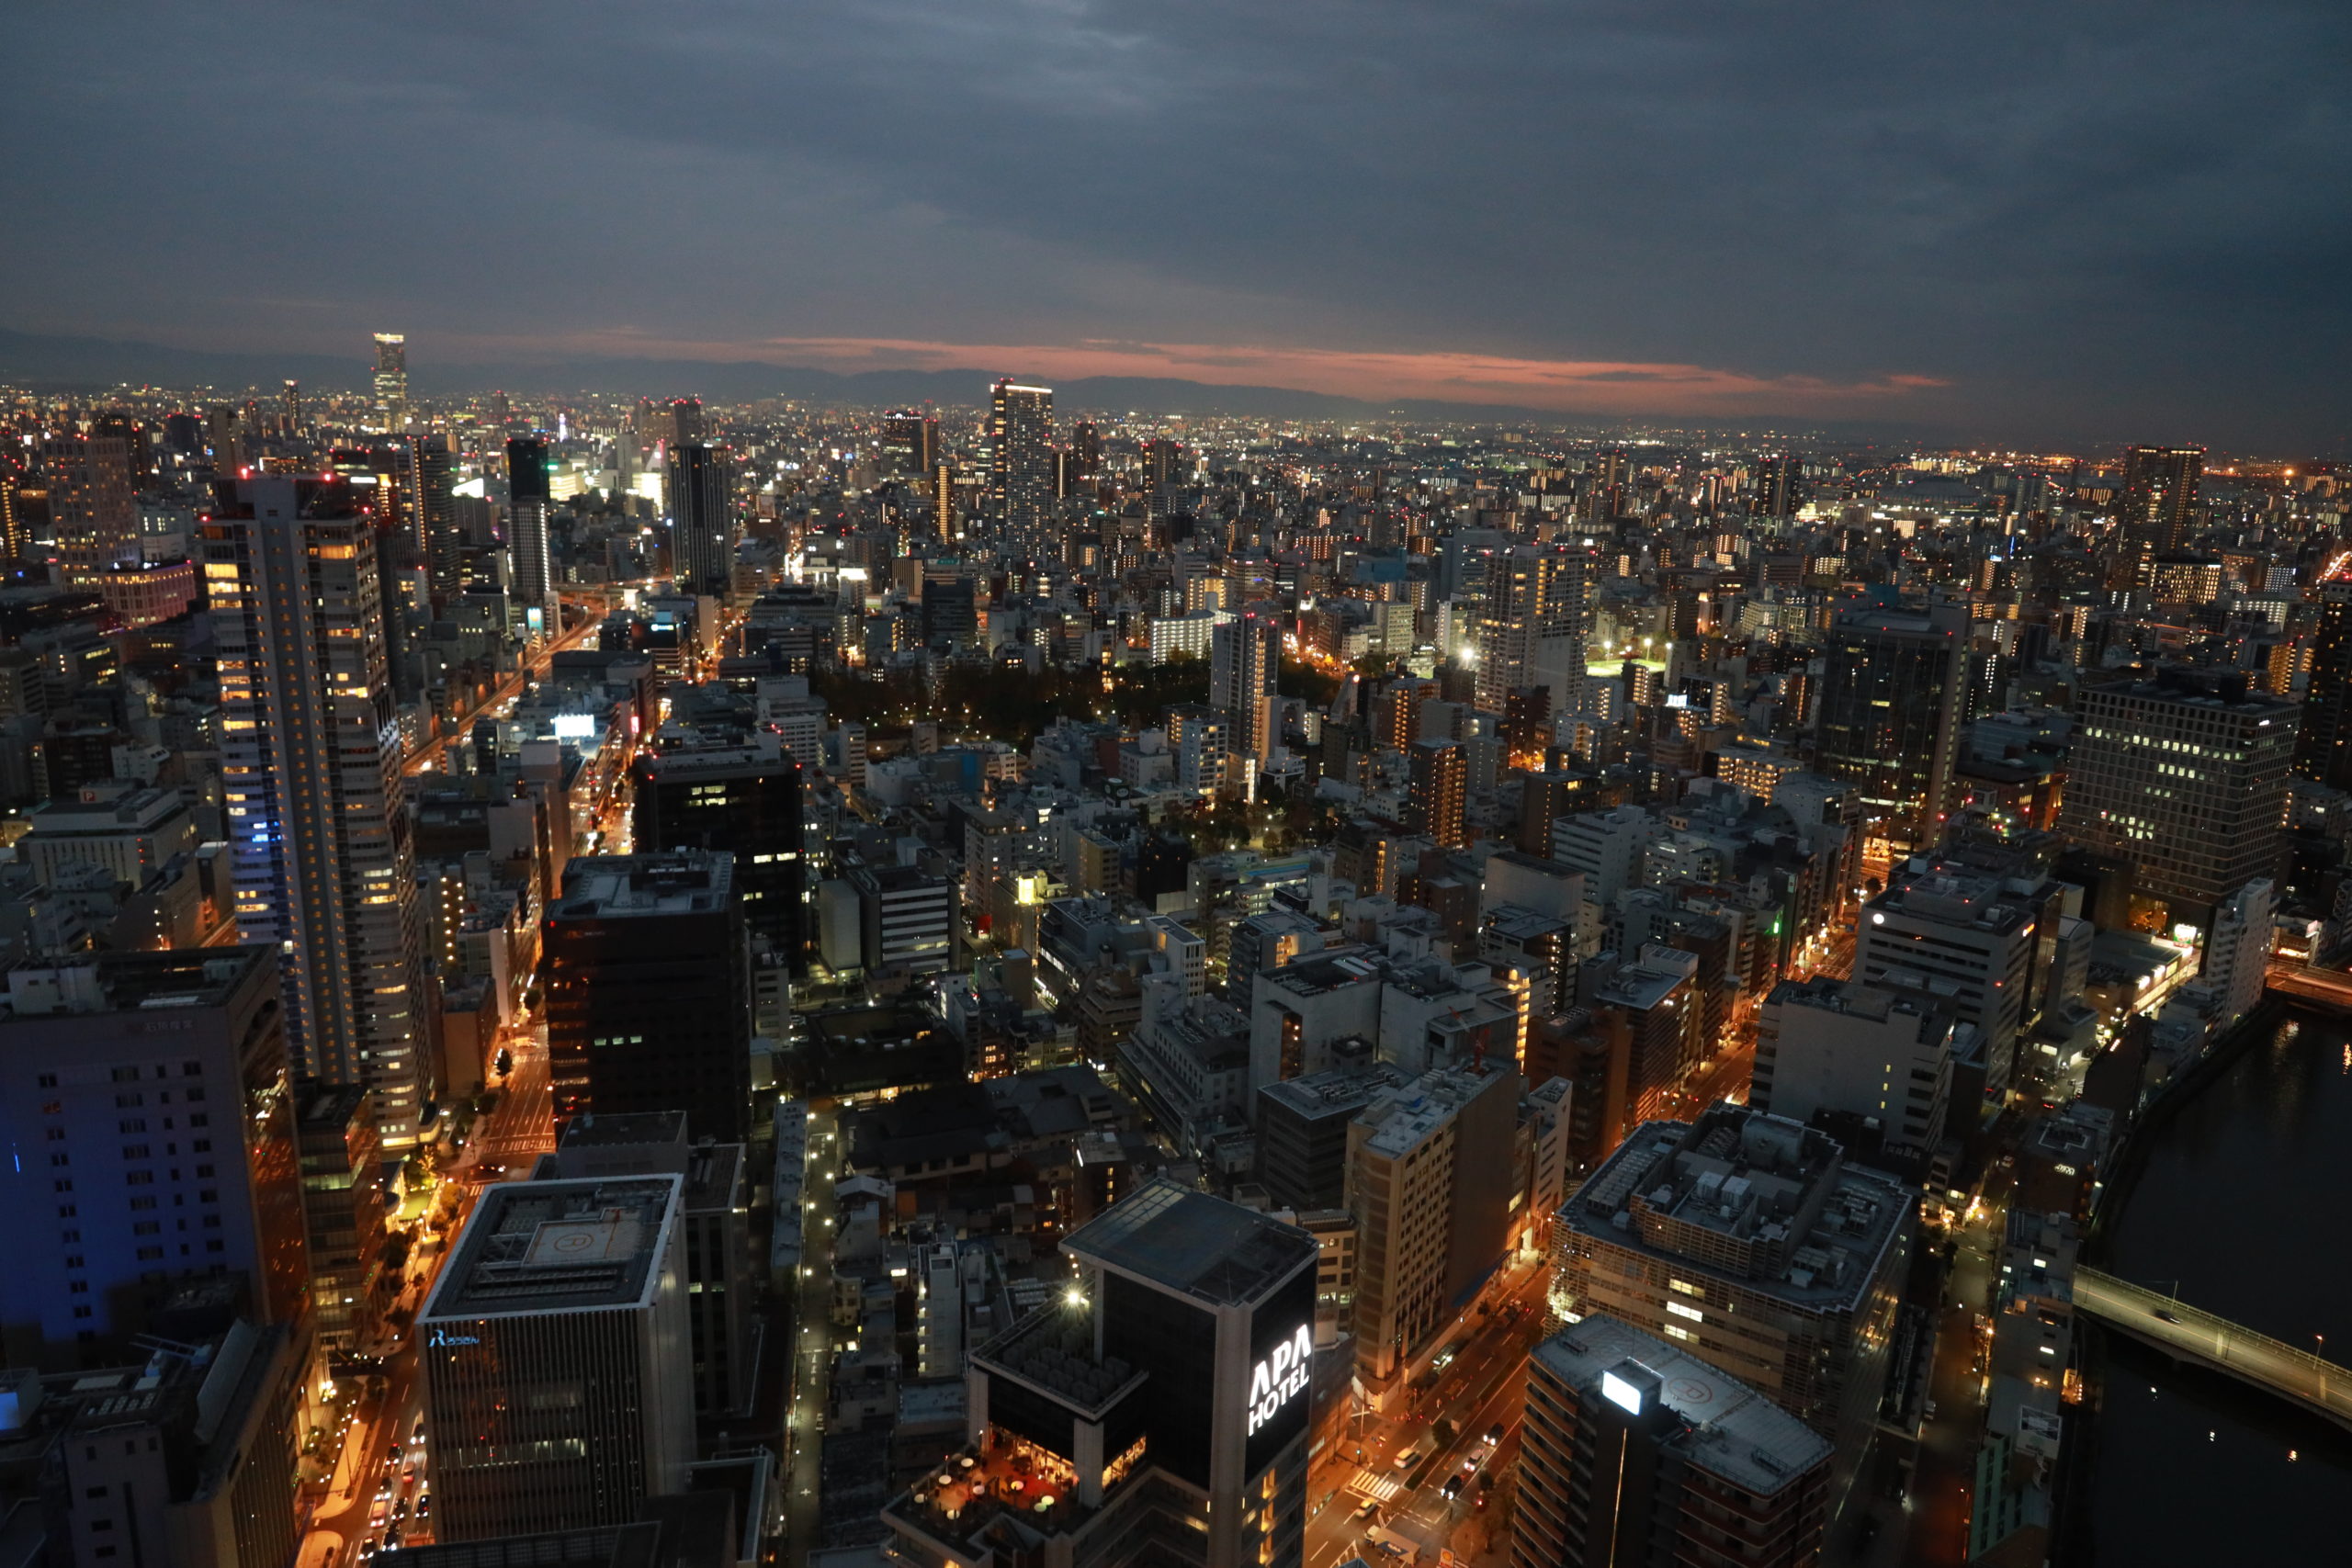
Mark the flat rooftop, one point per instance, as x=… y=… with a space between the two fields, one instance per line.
x=1337 y=1091
x=1188 y=1242
x=538 y=1246
x=1729 y=1429
x=678 y=882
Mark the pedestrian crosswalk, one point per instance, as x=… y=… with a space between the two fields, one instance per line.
x=1379 y=1488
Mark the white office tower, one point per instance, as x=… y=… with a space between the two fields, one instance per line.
x=1531 y=628
x=310 y=774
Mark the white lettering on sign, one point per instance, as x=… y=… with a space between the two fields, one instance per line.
x=1280 y=1377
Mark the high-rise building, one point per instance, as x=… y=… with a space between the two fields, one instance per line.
x=1825 y=1045
x=1635 y=1451
x=1085 y=451
x=1156 y=1412
x=909 y=443
x=702 y=519
x=1438 y=790
x=528 y=501
x=555 y=1348
x=1431 y=1180
x=649 y=1000
x=147 y=1100
x=1021 y=454
x=1780 y=484
x=92 y=507
x=686 y=421
x=742 y=800
x=2157 y=499
x=436 y=517
x=290 y=407
x=344 y=1201
x=2323 y=740
x=1245 y=661
x=1750 y=1242
x=1302 y=1132
x=1163 y=463
x=391 y=381
x=311 y=771
x=2184 y=774
x=1892 y=702
x=1531 y=626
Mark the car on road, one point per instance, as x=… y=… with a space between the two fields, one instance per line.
x=2166 y=1316
x=1409 y=1458
x=1371 y=1510
x=1495 y=1435
x=1454 y=1484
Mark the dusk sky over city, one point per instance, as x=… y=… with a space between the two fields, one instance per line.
x=2093 y=221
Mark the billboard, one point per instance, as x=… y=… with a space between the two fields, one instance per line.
x=1276 y=1401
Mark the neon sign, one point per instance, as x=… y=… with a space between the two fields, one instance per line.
x=1280 y=1377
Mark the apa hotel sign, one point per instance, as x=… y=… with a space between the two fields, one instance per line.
x=1280 y=1376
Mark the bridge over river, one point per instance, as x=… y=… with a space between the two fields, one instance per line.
x=2183 y=1333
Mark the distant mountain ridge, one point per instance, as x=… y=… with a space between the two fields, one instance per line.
x=58 y=363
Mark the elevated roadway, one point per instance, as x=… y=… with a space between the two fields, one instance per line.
x=2186 y=1333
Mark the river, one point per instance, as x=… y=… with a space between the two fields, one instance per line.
x=2246 y=1203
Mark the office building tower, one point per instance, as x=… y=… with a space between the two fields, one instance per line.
x=311 y=771
x=909 y=443
x=558 y=1386
x=1021 y=454
x=649 y=1000
x=1779 y=480
x=1975 y=943
x=686 y=421
x=290 y=407
x=1892 y=702
x=714 y=1217
x=2156 y=501
x=1635 y=1451
x=437 y=518
x=1439 y=793
x=1156 y=1413
x=1163 y=464
x=529 y=502
x=92 y=508
x=344 y=1201
x=1085 y=451
x=146 y=1098
x=744 y=801
x=943 y=502
x=1608 y=484
x=701 y=520
x=2238 y=949
x=950 y=614
x=1245 y=661
x=2184 y=774
x=1750 y=1242
x=183 y=1458
x=2324 y=739
x=1531 y=625
x=391 y=381
x=1433 y=1177
x=1302 y=1132
x=1827 y=1048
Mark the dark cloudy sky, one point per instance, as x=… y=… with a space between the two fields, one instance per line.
x=2018 y=217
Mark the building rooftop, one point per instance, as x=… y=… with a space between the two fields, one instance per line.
x=130 y=982
x=1758 y=1200
x=1729 y=1429
x=1189 y=1242
x=1338 y=1092
x=678 y=882
x=1052 y=1348
x=538 y=1246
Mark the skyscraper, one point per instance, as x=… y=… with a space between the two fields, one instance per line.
x=290 y=407
x=1438 y=791
x=558 y=1388
x=1636 y=1451
x=2184 y=774
x=391 y=381
x=1163 y=464
x=1245 y=660
x=2157 y=500
x=91 y=506
x=1531 y=624
x=701 y=520
x=648 y=997
x=910 y=442
x=436 y=517
x=685 y=420
x=1021 y=453
x=744 y=800
x=1779 y=479
x=528 y=499
x=1891 y=706
x=146 y=1097
x=311 y=771
x=2323 y=744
